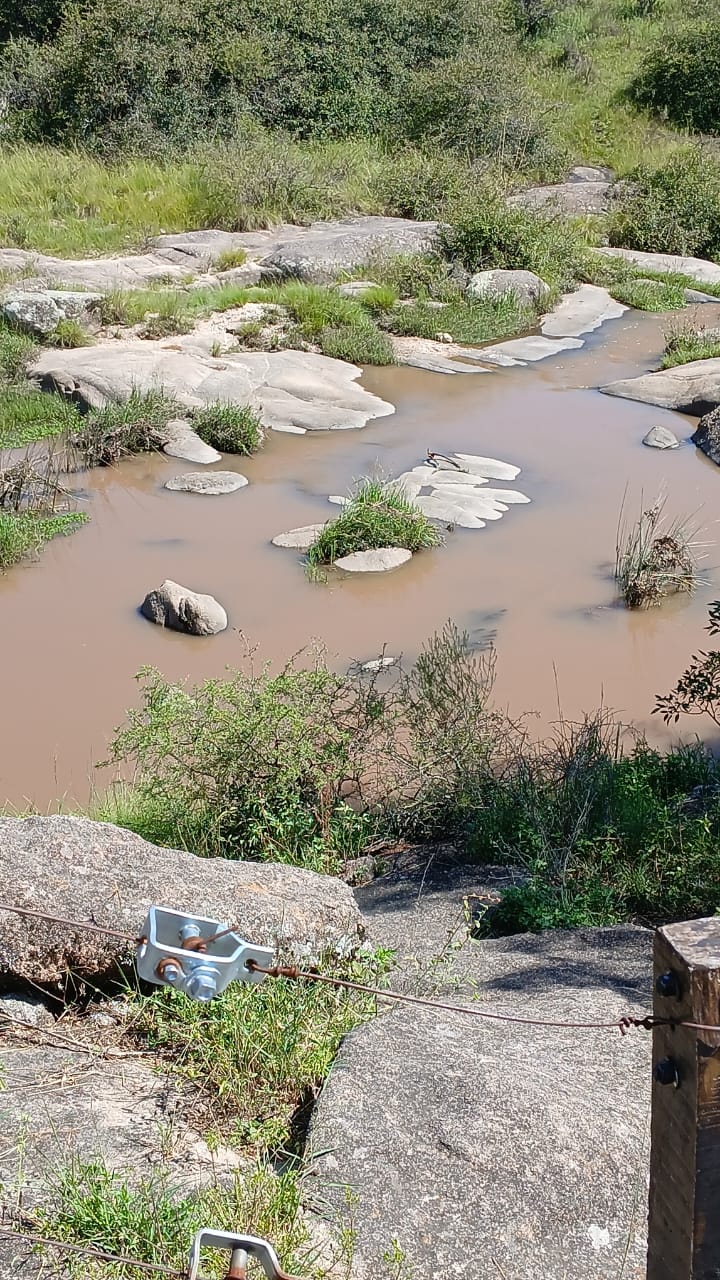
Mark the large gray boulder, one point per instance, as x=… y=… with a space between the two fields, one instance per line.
x=34 y=312
x=525 y=286
x=180 y=609
x=493 y=1147
x=294 y=391
x=707 y=435
x=319 y=253
x=95 y=871
x=586 y=190
x=689 y=388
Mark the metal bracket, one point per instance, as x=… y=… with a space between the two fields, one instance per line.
x=195 y=955
x=240 y=1249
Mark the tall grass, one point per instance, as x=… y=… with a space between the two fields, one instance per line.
x=377 y=514
x=655 y=556
x=690 y=341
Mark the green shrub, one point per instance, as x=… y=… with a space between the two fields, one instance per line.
x=376 y=515
x=697 y=692
x=229 y=258
x=135 y=426
x=679 y=78
x=489 y=234
x=674 y=208
x=475 y=104
x=230 y=428
x=68 y=334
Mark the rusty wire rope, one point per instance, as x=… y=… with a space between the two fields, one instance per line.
x=101 y=1255
x=623 y=1024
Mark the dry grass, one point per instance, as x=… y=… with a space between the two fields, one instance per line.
x=655 y=557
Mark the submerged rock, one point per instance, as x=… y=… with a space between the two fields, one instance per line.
x=97 y=871
x=661 y=438
x=378 y=560
x=707 y=435
x=207 y=482
x=180 y=609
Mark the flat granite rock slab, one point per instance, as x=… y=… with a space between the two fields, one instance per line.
x=670 y=263
x=581 y=312
x=208 y=482
x=293 y=390
x=379 y=560
x=485 y=1147
x=298 y=539
x=689 y=388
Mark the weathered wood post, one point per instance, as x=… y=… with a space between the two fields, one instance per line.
x=684 y=1222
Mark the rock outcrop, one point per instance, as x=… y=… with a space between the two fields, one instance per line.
x=689 y=388
x=707 y=435
x=85 y=870
x=180 y=609
x=587 y=190
x=699 y=269
x=467 y=1141
x=293 y=391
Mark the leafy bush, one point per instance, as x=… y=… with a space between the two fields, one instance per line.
x=488 y=234
x=674 y=208
x=475 y=104
x=680 y=77
x=376 y=515
x=230 y=428
x=120 y=74
x=697 y=692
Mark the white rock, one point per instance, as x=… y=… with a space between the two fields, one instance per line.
x=509 y=496
x=520 y=350
x=437 y=508
x=356 y=288
x=581 y=311
x=338 y=500
x=299 y=539
x=379 y=664
x=490 y=467
x=182 y=442
x=443 y=478
x=376 y=561
x=210 y=482
x=661 y=438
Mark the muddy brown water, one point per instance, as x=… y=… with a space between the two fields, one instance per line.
x=539 y=580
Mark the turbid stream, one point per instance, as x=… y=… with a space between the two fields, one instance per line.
x=540 y=579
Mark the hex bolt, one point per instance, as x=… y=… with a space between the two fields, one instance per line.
x=201 y=985
x=189 y=931
x=169 y=970
x=666 y=1072
x=667 y=985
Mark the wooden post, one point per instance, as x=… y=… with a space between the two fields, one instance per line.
x=684 y=1222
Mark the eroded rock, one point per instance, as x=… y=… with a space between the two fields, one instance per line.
x=298 y=539
x=180 y=609
x=96 y=871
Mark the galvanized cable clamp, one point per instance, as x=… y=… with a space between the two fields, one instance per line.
x=195 y=955
x=240 y=1248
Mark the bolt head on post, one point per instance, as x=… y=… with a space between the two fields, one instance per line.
x=202 y=985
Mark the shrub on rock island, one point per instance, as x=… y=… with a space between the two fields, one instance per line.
x=376 y=515
x=230 y=428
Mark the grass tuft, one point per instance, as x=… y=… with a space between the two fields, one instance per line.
x=27 y=416
x=230 y=428
x=23 y=534
x=654 y=558
x=686 y=342
x=377 y=515
x=135 y=426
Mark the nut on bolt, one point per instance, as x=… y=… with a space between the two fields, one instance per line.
x=169 y=971
x=666 y=1072
x=668 y=985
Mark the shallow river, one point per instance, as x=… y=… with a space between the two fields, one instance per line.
x=540 y=579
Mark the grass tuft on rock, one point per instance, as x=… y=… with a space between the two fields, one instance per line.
x=377 y=515
x=650 y=295
x=655 y=558
x=230 y=428
x=358 y=344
